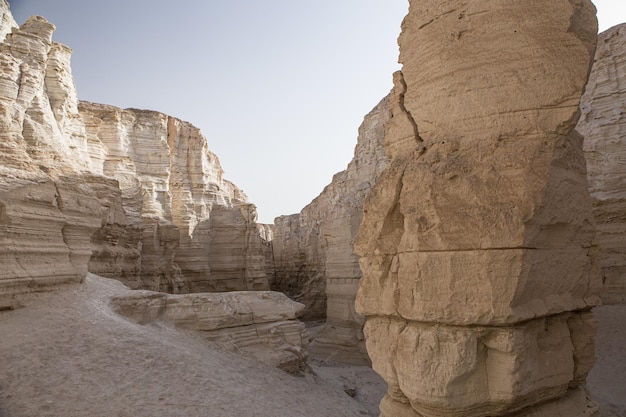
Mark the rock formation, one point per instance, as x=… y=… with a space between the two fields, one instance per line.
x=130 y=194
x=301 y=250
x=475 y=246
x=197 y=230
x=603 y=124
x=313 y=253
x=49 y=211
x=260 y=324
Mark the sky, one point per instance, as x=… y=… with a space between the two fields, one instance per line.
x=278 y=87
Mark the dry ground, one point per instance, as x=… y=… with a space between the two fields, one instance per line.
x=66 y=354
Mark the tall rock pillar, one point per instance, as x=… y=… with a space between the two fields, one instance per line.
x=476 y=242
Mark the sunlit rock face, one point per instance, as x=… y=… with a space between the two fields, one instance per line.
x=48 y=207
x=313 y=250
x=198 y=230
x=130 y=194
x=476 y=241
x=603 y=124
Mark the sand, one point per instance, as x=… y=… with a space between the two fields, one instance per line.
x=66 y=353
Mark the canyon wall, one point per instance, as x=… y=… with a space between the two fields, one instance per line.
x=301 y=247
x=197 y=231
x=603 y=124
x=479 y=270
x=48 y=207
x=130 y=194
x=313 y=255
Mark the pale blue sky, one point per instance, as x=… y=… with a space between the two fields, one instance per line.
x=278 y=87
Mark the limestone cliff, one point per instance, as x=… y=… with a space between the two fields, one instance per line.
x=603 y=124
x=48 y=207
x=313 y=254
x=476 y=241
x=199 y=232
x=130 y=194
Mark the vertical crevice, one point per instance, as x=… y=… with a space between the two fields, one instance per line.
x=404 y=109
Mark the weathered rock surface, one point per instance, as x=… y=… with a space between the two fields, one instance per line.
x=313 y=250
x=130 y=194
x=198 y=230
x=476 y=241
x=260 y=324
x=6 y=20
x=603 y=124
x=48 y=209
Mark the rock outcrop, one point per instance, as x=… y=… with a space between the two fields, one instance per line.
x=198 y=232
x=476 y=242
x=130 y=194
x=301 y=250
x=259 y=324
x=49 y=209
x=313 y=250
x=603 y=124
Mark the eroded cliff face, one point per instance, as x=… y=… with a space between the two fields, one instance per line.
x=130 y=194
x=603 y=124
x=476 y=242
x=49 y=209
x=198 y=230
x=313 y=250
x=301 y=250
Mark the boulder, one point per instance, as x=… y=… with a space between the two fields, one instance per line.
x=259 y=324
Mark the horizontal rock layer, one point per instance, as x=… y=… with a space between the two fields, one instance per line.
x=488 y=370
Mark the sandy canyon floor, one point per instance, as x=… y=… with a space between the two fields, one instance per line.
x=67 y=353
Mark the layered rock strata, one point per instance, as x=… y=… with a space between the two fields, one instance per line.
x=603 y=124
x=48 y=207
x=130 y=194
x=259 y=324
x=198 y=230
x=476 y=241
x=313 y=253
